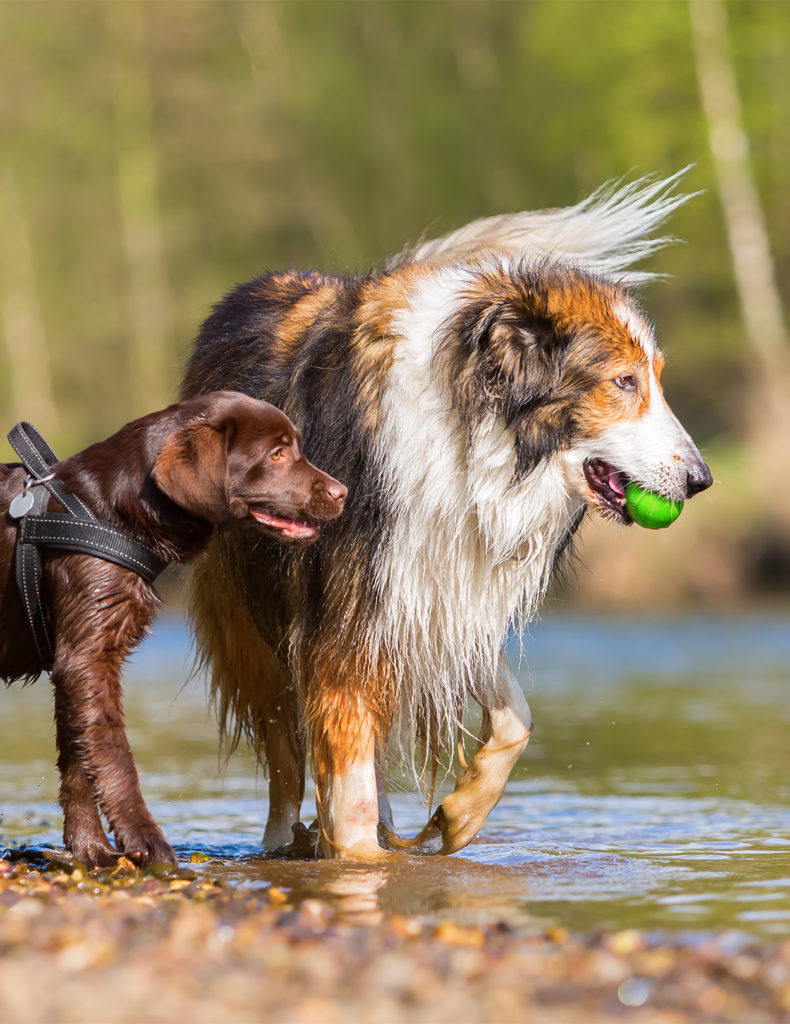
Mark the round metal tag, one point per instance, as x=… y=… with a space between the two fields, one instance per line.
x=21 y=505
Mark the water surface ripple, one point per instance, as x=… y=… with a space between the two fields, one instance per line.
x=655 y=792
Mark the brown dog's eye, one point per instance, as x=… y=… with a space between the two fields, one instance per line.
x=278 y=454
x=626 y=381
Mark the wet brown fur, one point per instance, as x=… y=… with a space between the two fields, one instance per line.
x=170 y=479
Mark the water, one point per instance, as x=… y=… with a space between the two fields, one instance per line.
x=655 y=792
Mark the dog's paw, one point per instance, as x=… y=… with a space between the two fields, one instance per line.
x=146 y=847
x=94 y=853
x=305 y=845
x=426 y=843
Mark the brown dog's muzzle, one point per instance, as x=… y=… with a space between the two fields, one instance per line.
x=327 y=498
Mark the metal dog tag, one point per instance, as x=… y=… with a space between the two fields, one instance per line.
x=21 y=505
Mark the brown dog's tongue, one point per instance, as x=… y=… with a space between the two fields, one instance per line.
x=288 y=527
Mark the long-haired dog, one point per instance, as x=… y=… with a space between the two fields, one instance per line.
x=477 y=395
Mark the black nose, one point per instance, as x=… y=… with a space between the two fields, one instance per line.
x=698 y=479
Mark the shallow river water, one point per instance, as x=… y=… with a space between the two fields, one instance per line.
x=655 y=792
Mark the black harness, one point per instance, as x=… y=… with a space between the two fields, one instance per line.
x=76 y=529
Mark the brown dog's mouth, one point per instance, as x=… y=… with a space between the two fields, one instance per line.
x=608 y=484
x=287 y=529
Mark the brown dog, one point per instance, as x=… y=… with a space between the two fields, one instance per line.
x=169 y=480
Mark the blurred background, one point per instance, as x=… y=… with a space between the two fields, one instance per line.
x=152 y=155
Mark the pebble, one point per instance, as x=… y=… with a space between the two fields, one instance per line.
x=210 y=951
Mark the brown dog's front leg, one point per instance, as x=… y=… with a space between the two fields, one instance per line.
x=101 y=612
x=90 y=696
x=83 y=832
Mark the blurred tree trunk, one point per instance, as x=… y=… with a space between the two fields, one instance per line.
x=769 y=411
x=24 y=336
x=150 y=313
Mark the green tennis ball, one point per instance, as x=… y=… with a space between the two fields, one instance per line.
x=651 y=510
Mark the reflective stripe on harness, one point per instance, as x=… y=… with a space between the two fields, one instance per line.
x=76 y=530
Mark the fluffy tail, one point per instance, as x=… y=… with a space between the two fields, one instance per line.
x=603 y=234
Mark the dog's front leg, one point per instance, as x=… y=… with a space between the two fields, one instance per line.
x=88 y=691
x=344 y=764
x=83 y=832
x=507 y=725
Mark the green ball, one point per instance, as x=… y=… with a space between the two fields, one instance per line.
x=651 y=510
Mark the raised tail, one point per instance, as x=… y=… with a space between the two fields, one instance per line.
x=604 y=234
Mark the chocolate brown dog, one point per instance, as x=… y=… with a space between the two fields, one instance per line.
x=169 y=480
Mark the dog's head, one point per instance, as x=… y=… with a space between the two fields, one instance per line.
x=240 y=461
x=572 y=366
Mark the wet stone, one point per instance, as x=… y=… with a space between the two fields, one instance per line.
x=211 y=950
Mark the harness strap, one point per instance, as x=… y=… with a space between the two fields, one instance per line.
x=32 y=449
x=28 y=579
x=38 y=459
x=96 y=538
x=76 y=530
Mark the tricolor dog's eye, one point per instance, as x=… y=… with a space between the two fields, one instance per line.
x=626 y=381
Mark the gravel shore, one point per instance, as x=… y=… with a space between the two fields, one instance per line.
x=128 y=946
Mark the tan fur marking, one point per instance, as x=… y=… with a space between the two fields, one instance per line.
x=585 y=307
x=341 y=702
x=303 y=314
x=605 y=404
x=372 y=347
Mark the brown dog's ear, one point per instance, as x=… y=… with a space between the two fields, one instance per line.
x=192 y=470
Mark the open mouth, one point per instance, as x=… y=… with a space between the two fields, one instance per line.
x=287 y=529
x=608 y=486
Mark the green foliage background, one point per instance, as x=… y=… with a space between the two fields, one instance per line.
x=329 y=133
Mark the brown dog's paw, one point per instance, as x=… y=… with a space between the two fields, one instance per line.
x=94 y=853
x=147 y=847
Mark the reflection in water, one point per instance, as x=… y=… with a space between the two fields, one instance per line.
x=354 y=893
x=453 y=887
x=655 y=791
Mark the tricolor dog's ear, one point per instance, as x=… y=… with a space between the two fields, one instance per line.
x=192 y=469
x=519 y=359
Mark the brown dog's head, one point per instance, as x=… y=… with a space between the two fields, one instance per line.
x=241 y=462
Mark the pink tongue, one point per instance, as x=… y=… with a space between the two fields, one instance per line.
x=299 y=530
x=289 y=527
x=616 y=484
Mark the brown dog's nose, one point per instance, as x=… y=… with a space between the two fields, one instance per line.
x=332 y=488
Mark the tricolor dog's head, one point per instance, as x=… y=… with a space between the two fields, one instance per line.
x=572 y=366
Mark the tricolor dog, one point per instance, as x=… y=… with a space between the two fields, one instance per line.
x=478 y=395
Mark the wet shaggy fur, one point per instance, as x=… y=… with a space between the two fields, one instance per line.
x=449 y=391
x=171 y=480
